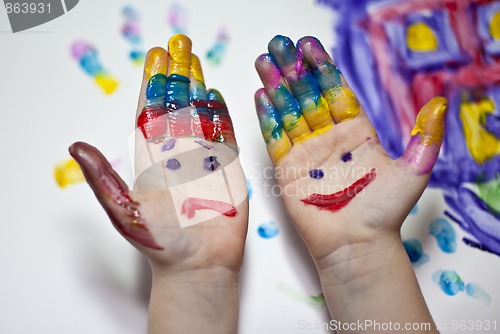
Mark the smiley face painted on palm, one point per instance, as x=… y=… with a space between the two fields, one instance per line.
x=184 y=141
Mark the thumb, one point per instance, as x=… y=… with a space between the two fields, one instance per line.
x=426 y=137
x=113 y=194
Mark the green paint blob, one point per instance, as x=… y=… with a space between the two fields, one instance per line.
x=490 y=194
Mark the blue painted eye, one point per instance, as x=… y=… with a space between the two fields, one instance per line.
x=346 y=156
x=316 y=173
x=210 y=163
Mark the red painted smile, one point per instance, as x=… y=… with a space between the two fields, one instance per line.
x=191 y=204
x=336 y=201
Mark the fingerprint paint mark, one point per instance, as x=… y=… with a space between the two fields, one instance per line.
x=475 y=291
x=67 y=173
x=268 y=230
x=216 y=54
x=315 y=301
x=415 y=252
x=444 y=233
x=449 y=281
x=210 y=163
x=131 y=31
x=177 y=19
x=87 y=57
x=173 y=164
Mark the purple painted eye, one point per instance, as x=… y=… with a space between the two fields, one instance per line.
x=169 y=144
x=346 y=157
x=316 y=173
x=173 y=164
x=210 y=163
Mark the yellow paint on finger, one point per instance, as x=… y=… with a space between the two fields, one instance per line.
x=296 y=128
x=317 y=115
x=67 y=173
x=482 y=145
x=179 y=48
x=196 y=68
x=279 y=148
x=343 y=104
x=156 y=62
x=495 y=26
x=421 y=38
x=430 y=121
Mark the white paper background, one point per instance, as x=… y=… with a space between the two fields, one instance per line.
x=64 y=269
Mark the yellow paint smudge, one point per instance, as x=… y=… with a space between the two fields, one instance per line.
x=107 y=83
x=67 y=173
x=421 y=38
x=317 y=115
x=481 y=144
x=343 y=104
x=495 y=26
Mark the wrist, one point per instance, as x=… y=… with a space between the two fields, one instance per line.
x=194 y=301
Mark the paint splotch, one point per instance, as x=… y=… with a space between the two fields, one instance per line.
x=87 y=56
x=415 y=252
x=131 y=32
x=268 y=230
x=217 y=52
x=315 y=301
x=475 y=291
x=444 y=234
x=178 y=18
x=448 y=281
x=68 y=173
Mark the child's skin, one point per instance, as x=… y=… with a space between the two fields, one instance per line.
x=310 y=120
x=364 y=270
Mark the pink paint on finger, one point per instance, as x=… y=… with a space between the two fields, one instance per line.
x=336 y=201
x=191 y=204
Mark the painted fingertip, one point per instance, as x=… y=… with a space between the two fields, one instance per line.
x=179 y=48
x=156 y=62
x=430 y=121
x=215 y=95
x=268 y=71
x=313 y=50
x=282 y=50
x=427 y=135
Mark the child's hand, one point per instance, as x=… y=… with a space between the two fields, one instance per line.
x=188 y=211
x=338 y=184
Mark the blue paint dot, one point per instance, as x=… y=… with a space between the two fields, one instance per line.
x=414 y=211
x=316 y=173
x=444 y=233
x=346 y=156
x=268 y=230
x=173 y=164
x=448 y=281
x=414 y=250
